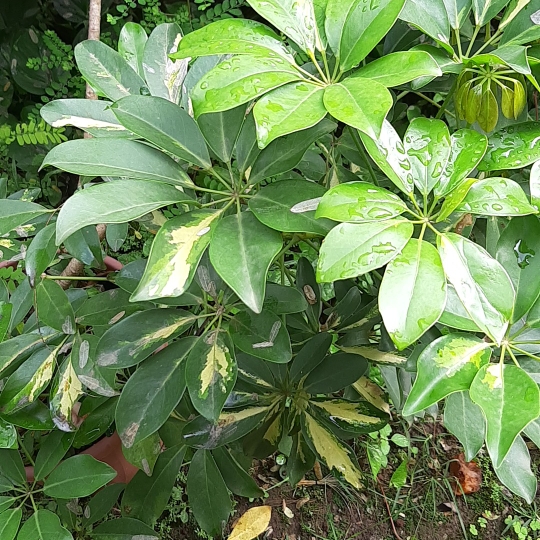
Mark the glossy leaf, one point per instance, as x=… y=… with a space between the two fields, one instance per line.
x=407 y=311
x=285 y=153
x=301 y=459
x=310 y=356
x=9 y=523
x=334 y=453
x=165 y=125
x=465 y=420
x=43 y=525
x=242 y=250
x=135 y=338
x=389 y=154
x=40 y=253
x=455 y=315
x=236 y=36
x=447 y=365
x=93 y=116
x=116 y=157
x=515 y=471
x=335 y=372
x=12 y=467
x=237 y=479
x=13 y=214
x=458 y=11
x=516 y=250
x=510 y=400
x=357 y=202
x=354 y=28
x=521 y=29
x=360 y=103
x=512 y=147
x=262 y=335
x=291 y=108
x=78 y=476
x=52 y=450
x=454 y=199
x=207 y=492
x=288 y=206
x=480 y=282
x=85 y=246
x=164 y=75
x=101 y=504
x=211 y=373
x=399 y=68
x=146 y=497
x=124 y=529
x=175 y=255
x=239 y=80
x=131 y=43
x=352 y=249
x=107 y=71
x=53 y=307
x=162 y=381
x=485 y=10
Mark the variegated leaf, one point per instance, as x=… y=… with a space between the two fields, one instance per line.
x=65 y=393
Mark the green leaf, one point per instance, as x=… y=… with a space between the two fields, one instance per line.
x=175 y=255
x=353 y=249
x=358 y=102
x=231 y=426
x=481 y=283
x=43 y=525
x=454 y=199
x=8 y=435
x=335 y=372
x=9 y=523
x=263 y=336
x=116 y=234
x=431 y=18
x=35 y=416
x=12 y=467
x=515 y=471
x=5 y=316
x=211 y=373
x=485 y=10
x=242 y=250
x=285 y=153
x=427 y=143
x=51 y=452
x=29 y=380
x=221 y=130
x=165 y=125
x=516 y=250
x=162 y=381
x=510 y=400
x=376 y=356
x=40 y=253
x=407 y=309
x=388 y=152
x=239 y=80
x=255 y=370
x=237 y=479
x=66 y=390
x=107 y=71
x=208 y=496
x=131 y=43
x=146 y=497
x=458 y=11
x=281 y=299
x=523 y=142
x=78 y=476
x=85 y=246
x=124 y=529
x=301 y=460
x=447 y=365
x=115 y=157
x=97 y=422
x=247 y=148
x=310 y=356
x=399 y=68
x=521 y=29
x=337 y=456
x=467 y=148
x=93 y=116
x=236 y=36
x=455 y=315
x=464 y=420
x=101 y=504
x=163 y=75
x=358 y=202
x=118 y=201
x=353 y=417
x=13 y=214
x=488 y=114
x=53 y=307
x=291 y=108
x=354 y=28
x=288 y=206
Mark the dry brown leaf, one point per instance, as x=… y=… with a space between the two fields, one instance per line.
x=301 y=502
x=467 y=474
x=286 y=510
x=254 y=522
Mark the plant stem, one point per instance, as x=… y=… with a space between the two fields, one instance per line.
x=326 y=67
x=447 y=99
x=311 y=244
x=458 y=42
x=316 y=64
x=24 y=449
x=473 y=38
x=429 y=100
x=513 y=357
x=221 y=179
x=76 y=278
x=525 y=353
x=363 y=153
x=495 y=36
x=207 y=190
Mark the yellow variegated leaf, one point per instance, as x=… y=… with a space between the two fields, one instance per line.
x=253 y=523
x=175 y=255
x=372 y=393
x=379 y=357
x=335 y=454
x=65 y=394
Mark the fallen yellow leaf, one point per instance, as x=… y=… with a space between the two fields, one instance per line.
x=254 y=522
